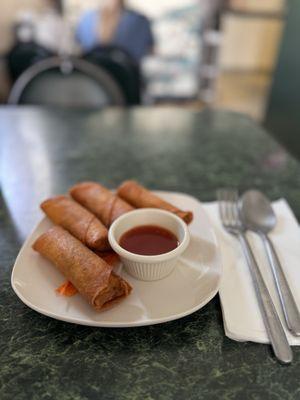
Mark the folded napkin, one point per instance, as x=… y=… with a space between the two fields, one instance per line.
x=241 y=314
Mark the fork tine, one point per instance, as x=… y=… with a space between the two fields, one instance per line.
x=228 y=210
x=227 y=207
x=221 y=196
x=231 y=198
x=235 y=206
x=220 y=202
x=226 y=204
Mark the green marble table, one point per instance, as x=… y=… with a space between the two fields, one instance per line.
x=44 y=152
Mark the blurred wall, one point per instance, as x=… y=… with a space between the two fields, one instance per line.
x=258 y=5
x=249 y=43
x=252 y=31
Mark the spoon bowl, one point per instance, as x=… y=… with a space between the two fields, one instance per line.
x=257 y=212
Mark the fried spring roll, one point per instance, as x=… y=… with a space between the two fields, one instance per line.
x=140 y=197
x=67 y=289
x=100 y=201
x=91 y=276
x=77 y=220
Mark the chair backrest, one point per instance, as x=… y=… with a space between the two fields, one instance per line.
x=122 y=67
x=23 y=55
x=67 y=83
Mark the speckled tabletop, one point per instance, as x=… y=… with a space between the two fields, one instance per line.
x=44 y=152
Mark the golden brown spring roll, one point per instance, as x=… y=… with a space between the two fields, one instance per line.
x=77 y=220
x=91 y=276
x=140 y=197
x=67 y=289
x=100 y=201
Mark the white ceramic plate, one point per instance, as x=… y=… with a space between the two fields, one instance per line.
x=192 y=284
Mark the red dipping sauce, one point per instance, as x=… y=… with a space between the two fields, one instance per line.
x=148 y=240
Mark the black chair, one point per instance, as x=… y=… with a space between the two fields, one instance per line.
x=23 y=55
x=67 y=83
x=122 y=67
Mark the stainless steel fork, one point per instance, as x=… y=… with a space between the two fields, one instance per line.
x=232 y=222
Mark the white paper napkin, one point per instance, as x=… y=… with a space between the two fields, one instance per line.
x=241 y=314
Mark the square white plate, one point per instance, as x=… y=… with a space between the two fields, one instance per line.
x=192 y=284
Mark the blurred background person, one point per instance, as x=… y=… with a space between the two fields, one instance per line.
x=114 y=24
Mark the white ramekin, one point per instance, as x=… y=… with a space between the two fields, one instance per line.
x=149 y=268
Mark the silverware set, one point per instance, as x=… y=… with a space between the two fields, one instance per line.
x=253 y=212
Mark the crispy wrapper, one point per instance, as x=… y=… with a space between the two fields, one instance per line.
x=112 y=258
x=77 y=220
x=100 y=201
x=140 y=197
x=91 y=276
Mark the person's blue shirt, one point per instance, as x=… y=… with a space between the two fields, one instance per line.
x=133 y=33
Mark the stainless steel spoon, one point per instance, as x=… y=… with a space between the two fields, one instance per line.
x=259 y=217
